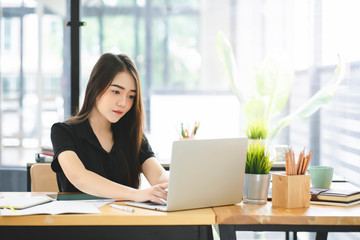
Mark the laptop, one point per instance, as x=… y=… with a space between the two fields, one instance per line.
x=204 y=173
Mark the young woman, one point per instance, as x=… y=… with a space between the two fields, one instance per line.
x=102 y=150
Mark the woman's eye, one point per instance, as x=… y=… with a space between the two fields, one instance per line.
x=132 y=97
x=115 y=91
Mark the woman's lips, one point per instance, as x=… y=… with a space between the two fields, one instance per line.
x=118 y=112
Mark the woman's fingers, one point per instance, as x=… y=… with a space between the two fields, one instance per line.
x=156 y=193
x=164 y=185
x=159 y=201
x=160 y=192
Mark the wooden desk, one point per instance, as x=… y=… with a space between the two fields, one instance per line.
x=112 y=224
x=316 y=218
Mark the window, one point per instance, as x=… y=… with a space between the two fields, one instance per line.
x=174 y=45
x=31 y=76
x=7 y=34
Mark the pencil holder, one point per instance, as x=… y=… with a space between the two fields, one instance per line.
x=290 y=191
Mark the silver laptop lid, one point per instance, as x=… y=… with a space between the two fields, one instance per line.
x=205 y=173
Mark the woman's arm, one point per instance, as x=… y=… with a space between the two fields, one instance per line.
x=94 y=184
x=154 y=172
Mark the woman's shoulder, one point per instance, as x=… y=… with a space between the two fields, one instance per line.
x=78 y=128
x=61 y=125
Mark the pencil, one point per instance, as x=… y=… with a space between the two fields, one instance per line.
x=308 y=158
x=304 y=164
x=287 y=163
x=298 y=164
x=301 y=163
x=290 y=162
x=293 y=162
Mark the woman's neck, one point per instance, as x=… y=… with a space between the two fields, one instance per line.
x=102 y=129
x=98 y=123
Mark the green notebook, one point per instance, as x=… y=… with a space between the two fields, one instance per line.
x=77 y=196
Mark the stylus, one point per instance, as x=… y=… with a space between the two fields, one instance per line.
x=128 y=209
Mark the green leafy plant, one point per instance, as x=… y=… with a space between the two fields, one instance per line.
x=256 y=130
x=269 y=93
x=257 y=158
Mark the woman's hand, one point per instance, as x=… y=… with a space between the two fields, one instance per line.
x=156 y=193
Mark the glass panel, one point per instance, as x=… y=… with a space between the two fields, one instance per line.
x=172 y=52
x=32 y=73
x=340 y=34
x=174 y=44
x=119 y=34
x=184 y=56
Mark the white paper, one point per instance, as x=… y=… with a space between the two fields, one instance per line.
x=55 y=207
x=23 y=201
x=96 y=202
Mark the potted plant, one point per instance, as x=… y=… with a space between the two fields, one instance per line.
x=264 y=97
x=256 y=130
x=257 y=176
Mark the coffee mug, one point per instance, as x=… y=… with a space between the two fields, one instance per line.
x=321 y=176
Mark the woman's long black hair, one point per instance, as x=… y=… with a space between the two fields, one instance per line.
x=129 y=129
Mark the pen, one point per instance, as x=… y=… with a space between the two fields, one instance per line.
x=196 y=127
x=11 y=208
x=182 y=131
x=128 y=209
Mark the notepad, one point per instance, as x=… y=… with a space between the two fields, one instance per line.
x=21 y=202
x=332 y=203
x=54 y=208
x=335 y=195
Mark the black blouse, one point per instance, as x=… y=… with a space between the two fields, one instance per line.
x=81 y=139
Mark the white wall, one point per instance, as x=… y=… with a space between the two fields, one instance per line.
x=219 y=117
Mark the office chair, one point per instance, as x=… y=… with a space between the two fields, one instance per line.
x=43 y=179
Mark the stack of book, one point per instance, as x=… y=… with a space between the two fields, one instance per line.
x=46 y=150
x=336 y=197
x=45 y=155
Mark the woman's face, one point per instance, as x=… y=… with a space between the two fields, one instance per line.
x=118 y=99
